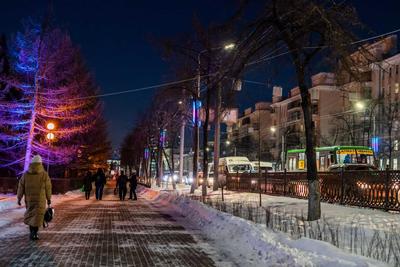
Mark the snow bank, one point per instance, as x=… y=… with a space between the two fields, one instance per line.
x=250 y=244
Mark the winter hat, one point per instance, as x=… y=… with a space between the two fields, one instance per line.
x=36 y=159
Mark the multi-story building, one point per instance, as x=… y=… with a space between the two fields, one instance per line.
x=357 y=109
x=250 y=136
x=287 y=117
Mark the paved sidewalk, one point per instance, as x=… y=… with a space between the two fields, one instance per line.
x=109 y=233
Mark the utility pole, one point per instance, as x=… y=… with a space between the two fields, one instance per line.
x=217 y=132
x=196 y=127
x=259 y=156
x=181 y=150
x=283 y=156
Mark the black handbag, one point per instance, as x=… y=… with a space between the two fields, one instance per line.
x=48 y=216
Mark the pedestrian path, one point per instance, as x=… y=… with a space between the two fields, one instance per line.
x=109 y=233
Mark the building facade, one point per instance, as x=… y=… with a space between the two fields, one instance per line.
x=361 y=108
x=250 y=136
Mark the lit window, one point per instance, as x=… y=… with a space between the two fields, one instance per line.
x=396 y=88
x=395 y=164
x=396 y=145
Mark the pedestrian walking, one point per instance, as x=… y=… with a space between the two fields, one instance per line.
x=121 y=182
x=87 y=184
x=100 y=181
x=35 y=186
x=133 y=185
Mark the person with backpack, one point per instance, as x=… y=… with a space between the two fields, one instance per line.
x=121 y=183
x=35 y=186
x=133 y=185
x=100 y=181
x=87 y=184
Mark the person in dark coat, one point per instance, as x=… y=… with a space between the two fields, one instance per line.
x=133 y=185
x=87 y=184
x=121 y=183
x=35 y=186
x=100 y=181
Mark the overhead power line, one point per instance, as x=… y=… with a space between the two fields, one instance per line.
x=265 y=58
x=323 y=46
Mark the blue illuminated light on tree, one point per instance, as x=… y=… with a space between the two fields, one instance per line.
x=52 y=85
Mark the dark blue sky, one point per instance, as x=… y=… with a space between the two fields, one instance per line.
x=113 y=36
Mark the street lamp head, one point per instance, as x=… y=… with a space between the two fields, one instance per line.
x=359 y=105
x=50 y=136
x=50 y=126
x=228 y=142
x=229 y=46
x=180 y=102
x=273 y=129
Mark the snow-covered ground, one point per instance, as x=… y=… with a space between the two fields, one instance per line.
x=368 y=218
x=251 y=244
x=363 y=231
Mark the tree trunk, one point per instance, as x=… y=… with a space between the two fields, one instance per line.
x=217 y=138
x=159 y=163
x=205 y=141
x=314 y=201
x=196 y=146
x=172 y=168
x=32 y=122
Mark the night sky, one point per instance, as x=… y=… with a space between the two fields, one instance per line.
x=114 y=39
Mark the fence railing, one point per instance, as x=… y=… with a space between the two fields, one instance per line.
x=377 y=189
x=59 y=185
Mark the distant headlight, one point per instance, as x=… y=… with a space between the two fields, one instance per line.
x=165 y=177
x=190 y=179
x=175 y=177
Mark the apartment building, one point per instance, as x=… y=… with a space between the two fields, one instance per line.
x=287 y=116
x=251 y=136
x=358 y=109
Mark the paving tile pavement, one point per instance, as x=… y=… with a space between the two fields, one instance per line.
x=110 y=233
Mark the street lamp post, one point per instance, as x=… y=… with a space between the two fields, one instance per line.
x=50 y=137
x=196 y=138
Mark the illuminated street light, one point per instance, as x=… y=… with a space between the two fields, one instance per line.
x=273 y=129
x=229 y=46
x=228 y=142
x=50 y=126
x=359 y=105
x=180 y=102
x=50 y=136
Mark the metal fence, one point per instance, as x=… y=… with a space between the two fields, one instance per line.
x=378 y=189
x=59 y=185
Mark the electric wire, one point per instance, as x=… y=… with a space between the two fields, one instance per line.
x=263 y=59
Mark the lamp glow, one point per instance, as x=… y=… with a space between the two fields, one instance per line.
x=229 y=46
x=359 y=105
x=50 y=136
x=50 y=126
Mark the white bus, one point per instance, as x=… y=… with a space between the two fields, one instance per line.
x=229 y=165
x=265 y=166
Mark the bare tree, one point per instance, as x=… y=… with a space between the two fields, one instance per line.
x=307 y=31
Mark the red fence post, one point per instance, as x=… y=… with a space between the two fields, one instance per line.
x=341 y=187
x=387 y=178
x=265 y=182
x=284 y=182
